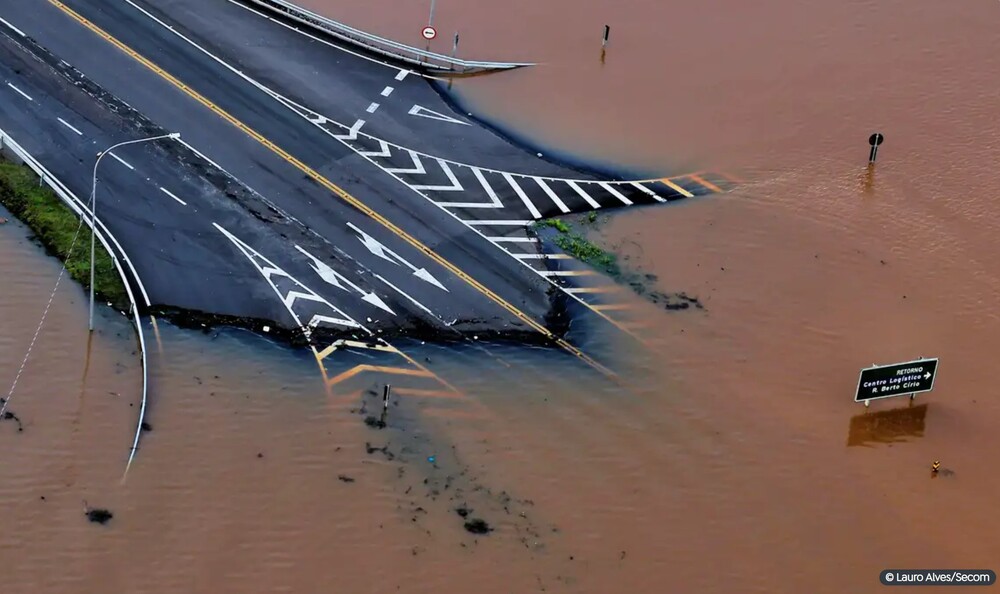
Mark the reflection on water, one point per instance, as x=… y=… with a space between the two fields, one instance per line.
x=887 y=426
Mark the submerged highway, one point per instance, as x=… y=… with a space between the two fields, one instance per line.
x=314 y=186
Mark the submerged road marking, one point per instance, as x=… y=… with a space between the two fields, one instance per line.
x=513 y=239
x=600 y=289
x=699 y=179
x=167 y=192
x=542 y=256
x=22 y=93
x=666 y=181
x=120 y=160
x=337 y=190
x=643 y=188
x=70 y=126
x=387 y=91
x=503 y=222
x=379 y=368
x=566 y=272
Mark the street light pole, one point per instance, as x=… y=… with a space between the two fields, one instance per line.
x=93 y=207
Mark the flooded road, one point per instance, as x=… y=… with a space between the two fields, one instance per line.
x=734 y=462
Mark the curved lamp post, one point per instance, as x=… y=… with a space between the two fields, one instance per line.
x=93 y=207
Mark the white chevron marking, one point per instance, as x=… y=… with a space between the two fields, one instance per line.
x=418 y=167
x=385 y=152
x=454 y=187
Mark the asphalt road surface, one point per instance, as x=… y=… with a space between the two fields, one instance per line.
x=313 y=186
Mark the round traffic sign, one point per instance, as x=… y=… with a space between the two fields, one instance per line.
x=876 y=139
x=429 y=33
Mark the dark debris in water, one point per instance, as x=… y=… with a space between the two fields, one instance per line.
x=345 y=478
x=478 y=526
x=146 y=426
x=9 y=416
x=99 y=515
x=374 y=422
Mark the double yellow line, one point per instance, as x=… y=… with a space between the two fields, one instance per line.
x=313 y=174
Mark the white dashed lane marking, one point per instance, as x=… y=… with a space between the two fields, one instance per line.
x=20 y=92
x=402 y=74
x=70 y=126
x=387 y=91
x=13 y=28
x=122 y=161
x=372 y=108
x=167 y=192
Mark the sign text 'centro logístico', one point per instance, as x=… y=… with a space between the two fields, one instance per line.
x=897 y=379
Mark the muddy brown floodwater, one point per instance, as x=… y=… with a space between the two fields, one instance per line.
x=737 y=464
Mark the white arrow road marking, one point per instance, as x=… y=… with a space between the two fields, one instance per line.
x=427 y=276
x=381 y=251
x=401 y=292
x=334 y=278
x=423 y=112
x=271 y=269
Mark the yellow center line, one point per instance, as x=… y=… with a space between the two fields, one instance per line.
x=333 y=188
x=705 y=183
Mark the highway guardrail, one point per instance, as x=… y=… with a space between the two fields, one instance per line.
x=10 y=148
x=415 y=57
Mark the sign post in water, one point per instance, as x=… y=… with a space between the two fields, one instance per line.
x=874 y=140
x=885 y=381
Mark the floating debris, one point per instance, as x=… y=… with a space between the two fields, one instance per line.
x=478 y=526
x=99 y=515
x=345 y=478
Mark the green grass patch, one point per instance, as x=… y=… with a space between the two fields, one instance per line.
x=557 y=224
x=55 y=225
x=586 y=251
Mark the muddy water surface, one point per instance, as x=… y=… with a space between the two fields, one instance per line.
x=729 y=465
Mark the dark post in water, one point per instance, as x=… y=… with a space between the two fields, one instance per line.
x=607 y=32
x=385 y=403
x=874 y=140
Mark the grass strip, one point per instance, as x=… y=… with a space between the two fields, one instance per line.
x=580 y=247
x=54 y=225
